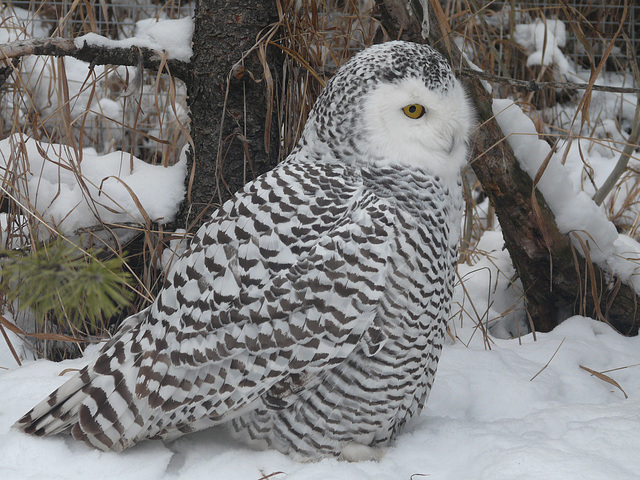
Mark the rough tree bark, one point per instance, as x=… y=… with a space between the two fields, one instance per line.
x=229 y=103
x=557 y=281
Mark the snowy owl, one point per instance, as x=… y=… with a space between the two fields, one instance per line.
x=308 y=314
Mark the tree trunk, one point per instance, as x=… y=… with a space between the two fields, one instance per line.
x=229 y=103
x=557 y=281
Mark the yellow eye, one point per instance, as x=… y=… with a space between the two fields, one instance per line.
x=414 y=110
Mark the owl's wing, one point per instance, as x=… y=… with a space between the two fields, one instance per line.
x=286 y=279
x=270 y=294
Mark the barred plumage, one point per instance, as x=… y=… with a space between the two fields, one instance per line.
x=308 y=314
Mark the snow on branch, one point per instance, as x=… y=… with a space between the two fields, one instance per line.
x=575 y=212
x=152 y=47
x=95 y=54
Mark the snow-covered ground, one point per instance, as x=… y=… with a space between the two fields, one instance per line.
x=486 y=419
x=504 y=406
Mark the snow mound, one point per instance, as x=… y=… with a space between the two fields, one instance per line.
x=69 y=192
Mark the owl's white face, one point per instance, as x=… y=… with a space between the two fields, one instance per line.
x=436 y=141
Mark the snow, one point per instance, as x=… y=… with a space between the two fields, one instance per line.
x=97 y=108
x=485 y=419
x=544 y=40
x=40 y=74
x=575 y=211
x=70 y=192
x=612 y=111
x=170 y=36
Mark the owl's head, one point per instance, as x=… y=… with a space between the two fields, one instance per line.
x=396 y=102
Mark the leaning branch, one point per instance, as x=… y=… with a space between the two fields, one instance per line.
x=94 y=54
x=625 y=156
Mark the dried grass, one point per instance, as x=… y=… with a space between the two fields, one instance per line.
x=152 y=125
x=317 y=37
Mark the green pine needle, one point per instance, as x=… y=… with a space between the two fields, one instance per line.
x=58 y=280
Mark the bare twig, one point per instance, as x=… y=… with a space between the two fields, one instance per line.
x=94 y=54
x=48 y=336
x=11 y=349
x=623 y=161
x=8 y=70
x=547 y=364
x=534 y=86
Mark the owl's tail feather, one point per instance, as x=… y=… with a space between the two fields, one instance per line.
x=96 y=405
x=96 y=408
x=57 y=412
